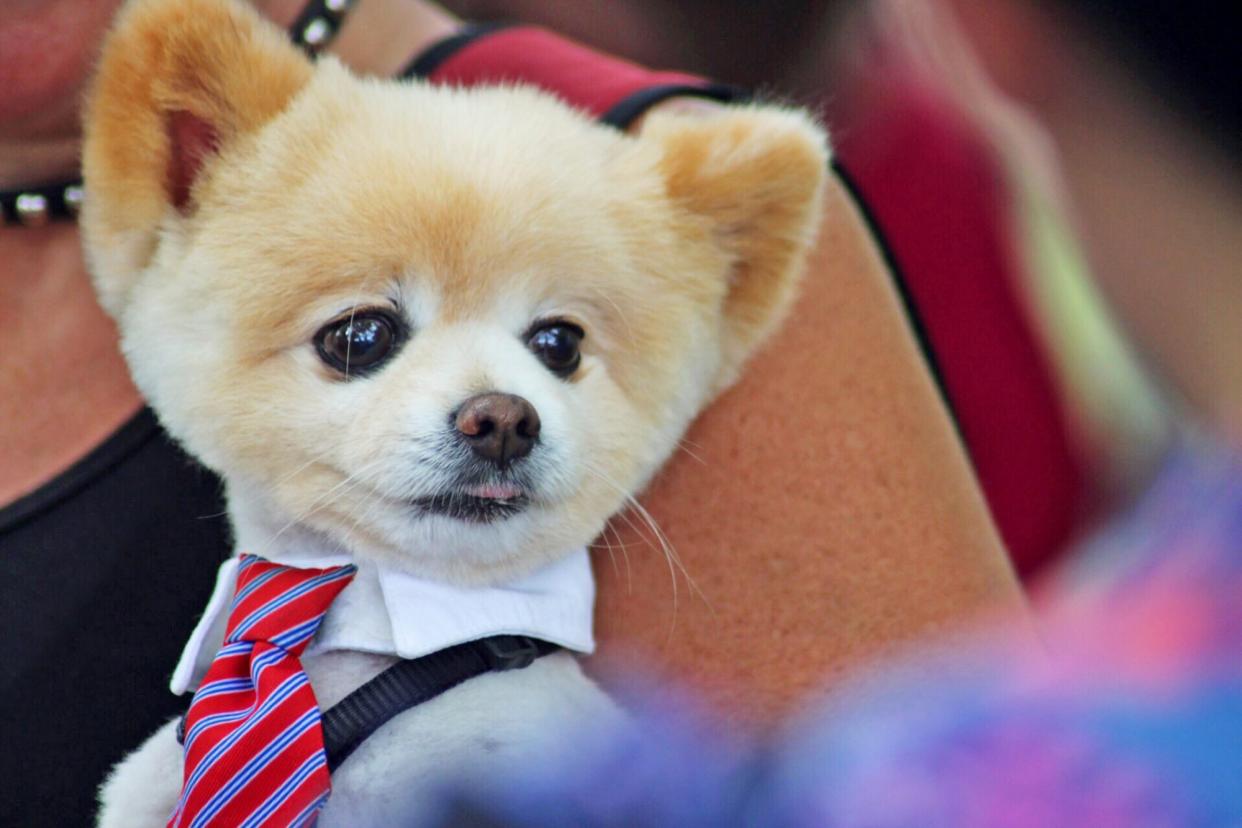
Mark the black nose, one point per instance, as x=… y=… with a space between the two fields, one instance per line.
x=499 y=427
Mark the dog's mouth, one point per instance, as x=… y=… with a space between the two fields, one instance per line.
x=484 y=503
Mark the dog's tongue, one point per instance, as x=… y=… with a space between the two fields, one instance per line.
x=495 y=491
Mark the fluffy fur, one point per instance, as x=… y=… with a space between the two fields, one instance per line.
x=240 y=197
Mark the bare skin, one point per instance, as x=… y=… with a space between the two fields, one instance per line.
x=65 y=386
x=892 y=540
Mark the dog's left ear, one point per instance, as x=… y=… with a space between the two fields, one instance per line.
x=755 y=175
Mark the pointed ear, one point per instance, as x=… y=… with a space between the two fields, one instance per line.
x=756 y=176
x=177 y=82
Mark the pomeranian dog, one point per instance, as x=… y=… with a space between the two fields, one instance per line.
x=444 y=332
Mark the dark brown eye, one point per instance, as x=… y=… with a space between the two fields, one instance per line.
x=360 y=343
x=556 y=346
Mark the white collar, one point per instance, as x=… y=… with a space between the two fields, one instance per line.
x=391 y=613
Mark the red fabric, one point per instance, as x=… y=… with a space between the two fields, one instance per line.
x=587 y=79
x=937 y=192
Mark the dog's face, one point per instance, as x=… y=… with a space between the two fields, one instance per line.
x=450 y=330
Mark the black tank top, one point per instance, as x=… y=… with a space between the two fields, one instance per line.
x=106 y=569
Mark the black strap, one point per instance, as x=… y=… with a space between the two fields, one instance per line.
x=625 y=111
x=408 y=683
x=411 y=682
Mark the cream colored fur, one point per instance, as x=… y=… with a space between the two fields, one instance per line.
x=473 y=214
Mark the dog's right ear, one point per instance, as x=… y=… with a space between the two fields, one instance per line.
x=177 y=82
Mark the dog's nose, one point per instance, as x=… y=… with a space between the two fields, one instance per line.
x=499 y=427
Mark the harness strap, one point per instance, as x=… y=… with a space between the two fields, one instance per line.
x=349 y=722
x=408 y=683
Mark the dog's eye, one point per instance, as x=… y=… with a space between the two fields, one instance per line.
x=361 y=342
x=556 y=346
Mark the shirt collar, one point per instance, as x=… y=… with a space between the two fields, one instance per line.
x=391 y=613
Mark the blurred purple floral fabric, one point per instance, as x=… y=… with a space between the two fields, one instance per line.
x=1128 y=714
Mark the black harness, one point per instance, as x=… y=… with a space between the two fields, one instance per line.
x=349 y=722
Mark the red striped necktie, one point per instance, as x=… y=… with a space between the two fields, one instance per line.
x=253 y=741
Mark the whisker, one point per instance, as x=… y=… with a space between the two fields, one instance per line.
x=625 y=555
x=608 y=546
x=663 y=543
x=628 y=522
x=673 y=556
x=687 y=441
x=683 y=445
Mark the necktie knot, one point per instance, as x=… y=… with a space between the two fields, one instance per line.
x=282 y=605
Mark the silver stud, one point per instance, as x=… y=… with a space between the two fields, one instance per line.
x=316 y=34
x=337 y=7
x=73 y=198
x=32 y=209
